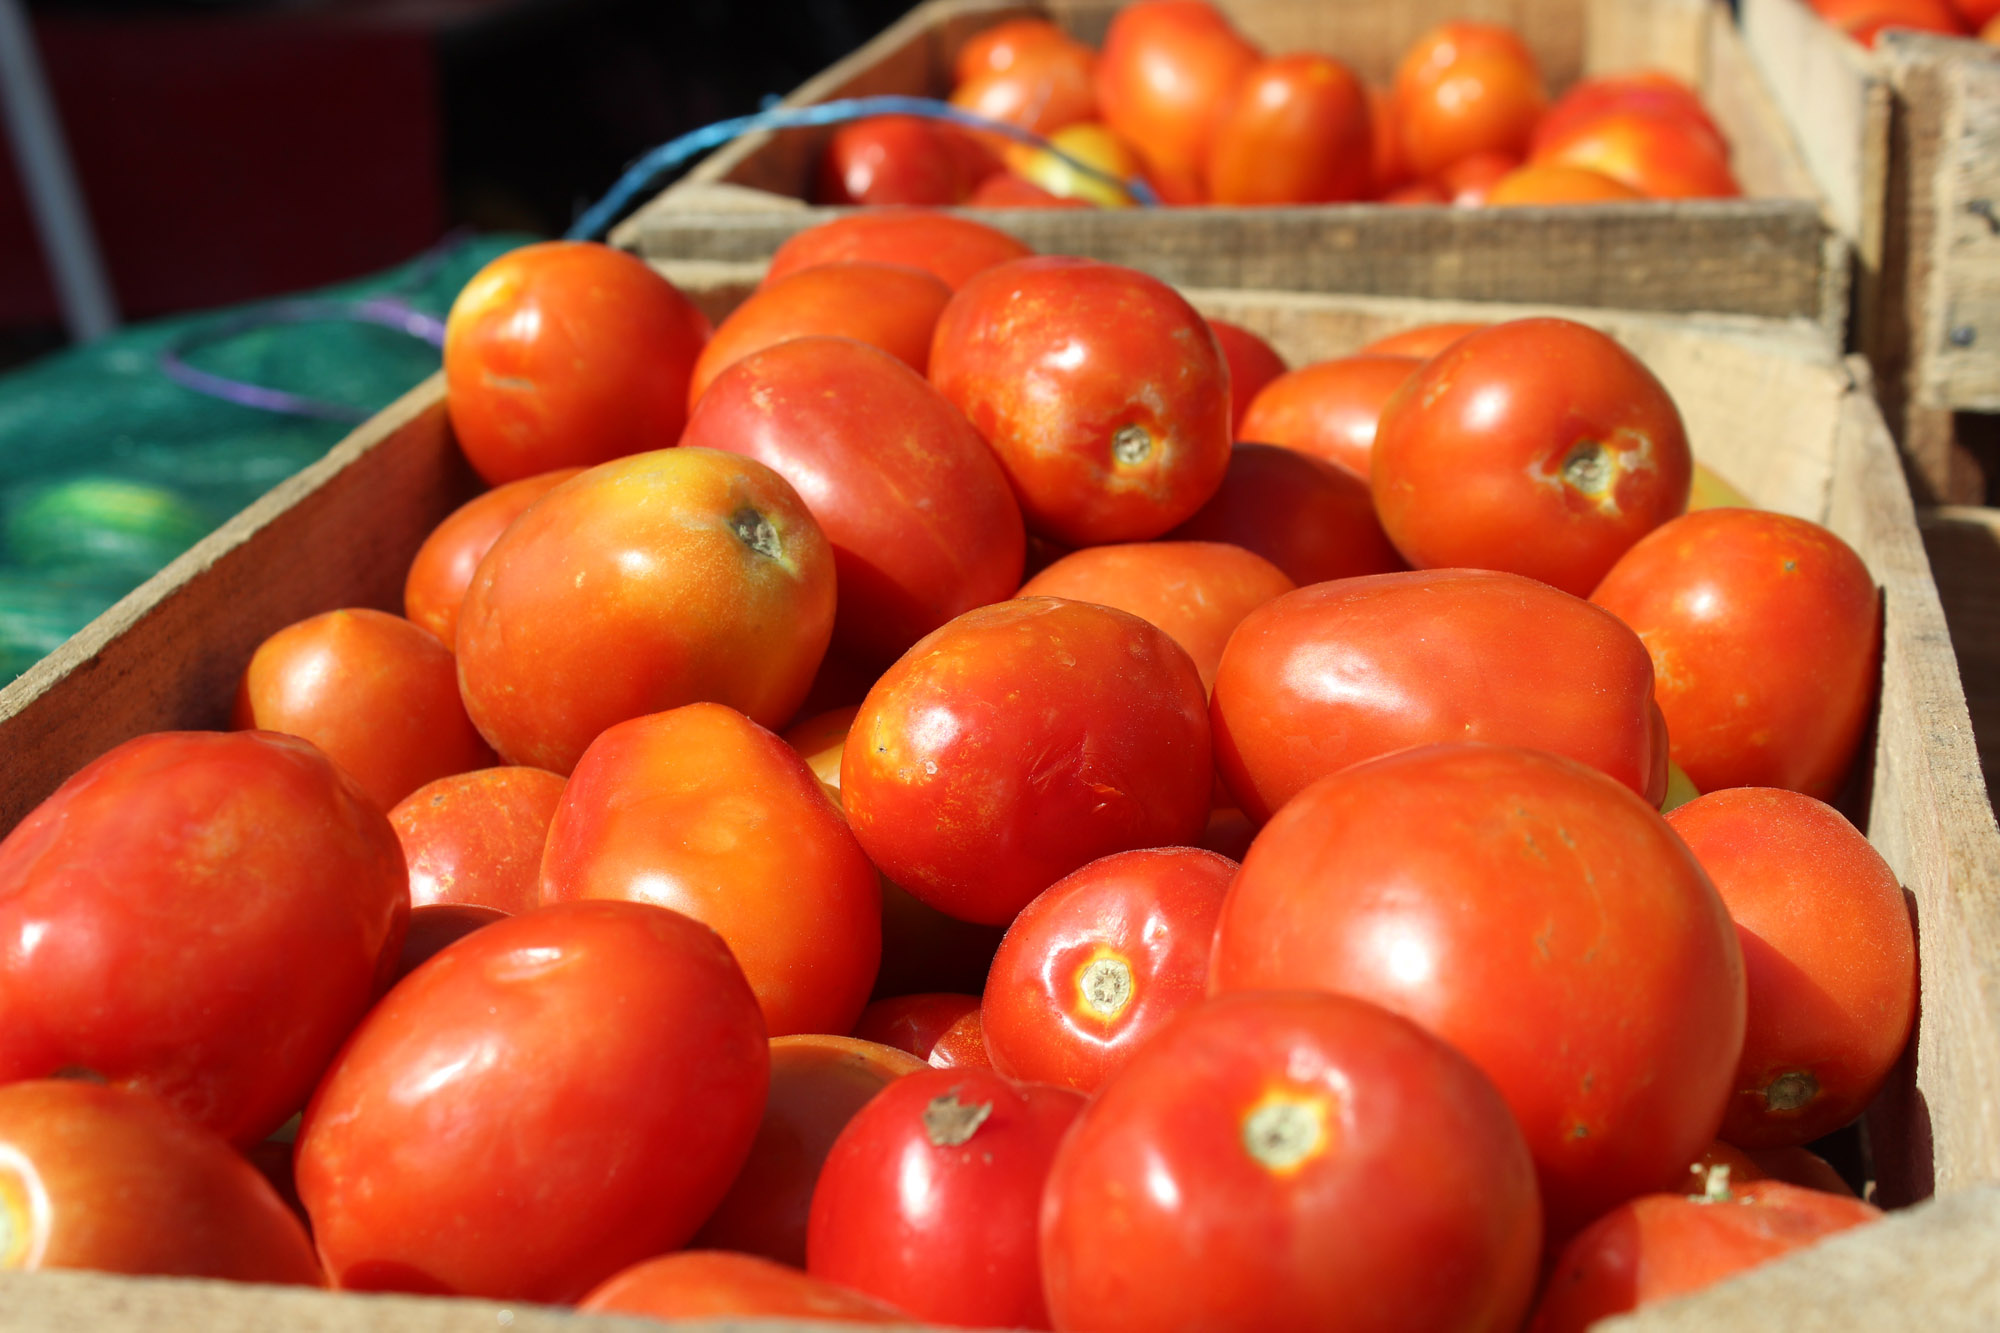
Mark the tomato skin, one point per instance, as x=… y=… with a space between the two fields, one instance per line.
x=930 y=1205
x=1298 y=133
x=1666 y=1245
x=1437 y=655
x=1166 y=78
x=1019 y=742
x=674 y=577
x=1765 y=632
x=1329 y=409
x=1539 y=446
x=702 y=1284
x=1253 y=363
x=212 y=912
x=1828 y=950
x=567 y=354
x=922 y=521
x=701 y=810
x=1312 y=519
x=893 y=160
x=1864 y=20
x=1423 y=341
x=962 y=1045
x=1004 y=45
x=1471 y=180
x=444 y=564
x=486 y=1133
x=1658 y=153
x=1555 y=184
x=949 y=248
x=476 y=838
x=1405 y=1200
x=1535 y=914
x=1048 y=87
x=1466 y=88
x=1099 y=961
x=1639 y=90
x=1101 y=390
x=1007 y=190
x=913 y=1023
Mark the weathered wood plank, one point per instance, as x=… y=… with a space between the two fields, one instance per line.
x=1963 y=543
x=1831 y=93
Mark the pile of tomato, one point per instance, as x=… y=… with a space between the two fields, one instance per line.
x=1199 y=883
x=1866 y=20
x=1181 y=100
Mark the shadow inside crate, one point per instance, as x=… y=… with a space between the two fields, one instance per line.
x=1964 y=548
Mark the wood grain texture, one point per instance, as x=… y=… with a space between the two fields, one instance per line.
x=1963 y=543
x=1835 y=99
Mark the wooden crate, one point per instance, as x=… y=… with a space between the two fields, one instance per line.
x=1904 y=143
x=1769 y=405
x=1964 y=546
x=1770 y=254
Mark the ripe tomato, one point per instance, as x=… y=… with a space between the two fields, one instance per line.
x=1977 y=13
x=1417 y=193
x=897 y=160
x=1466 y=88
x=486 y=1132
x=1536 y=915
x=1667 y=1245
x=375 y=693
x=922 y=522
x=445 y=562
x=1166 y=78
x=1253 y=363
x=1328 y=409
x=1658 y=153
x=1864 y=20
x=1196 y=591
x=1102 y=391
x=565 y=354
x=890 y=306
x=701 y=810
x=929 y=1197
x=1096 y=964
x=1297 y=133
x=1766 y=638
x=1292 y=1161
x=913 y=1023
x=1549 y=183
x=1539 y=446
x=1391 y=170
x=1019 y=742
x=1471 y=180
x=433 y=926
x=1047 y=87
x=817 y=1085
x=962 y=1045
x=1310 y=518
x=198 y=915
x=1329 y=676
x=950 y=248
x=1828 y=950
x=704 y=1284
x=1423 y=341
x=1090 y=142
x=477 y=837
x=1006 y=190
x=1004 y=45
x=642 y=585
x=1639 y=90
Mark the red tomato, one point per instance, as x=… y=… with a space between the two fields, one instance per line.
x=1006 y=190
x=1004 y=45
x=1417 y=193
x=1797 y=1166
x=1658 y=153
x=433 y=926
x=486 y=1132
x=928 y=1199
x=1166 y=79
x=703 y=1284
x=1391 y=170
x=1253 y=363
x=477 y=837
x=817 y=1085
x=1766 y=638
x=922 y=522
x=1540 y=447
x=1864 y=20
x=376 y=694
x=1048 y=85
x=565 y=354
x=1829 y=952
x=1297 y=133
x=962 y=1045
x=950 y=248
x=1292 y=1162
x=701 y=810
x=1310 y=518
x=1020 y=742
x=1328 y=409
x=1471 y=180
x=1329 y=676
x=1977 y=13
x=1229 y=832
x=445 y=562
x=1536 y=915
x=890 y=306
x=1667 y=1245
x=1424 y=341
x=1102 y=391
x=1466 y=88
x=1196 y=591
x=913 y=1023
x=1553 y=184
x=1096 y=964
x=1639 y=90
x=642 y=585
x=894 y=160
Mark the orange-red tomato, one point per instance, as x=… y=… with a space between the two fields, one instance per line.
x=1977 y=13
x=1417 y=193
x=701 y=810
x=901 y=160
x=1253 y=363
x=1550 y=183
x=921 y=519
x=442 y=569
x=707 y=1284
x=1470 y=181
x=1090 y=143
x=1328 y=409
x=477 y=837
x=1539 y=446
x=949 y=248
x=890 y=306
x=1391 y=171
x=1864 y=20
x=817 y=1084
x=1196 y=591
x=642 y=585
x=1766 y=639
x=1166 y=79
x=375 y=693
x=1100 y=388
x=1297 y=133
x=1096 y=964
x=1535 y=914
x=1641 y=90
x=914 y=1023
x=1006 y=190
x=1658 y=153
x=1423 y=341
x=565 y=354
x=1329 y=676
x=1310 y=518
x=962 y=1045
x=1466 y=88
x=1004 y=45
x=1829 y=952
x=1047 y=86
x=114 y=1180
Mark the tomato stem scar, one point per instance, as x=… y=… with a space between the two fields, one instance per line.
x=1105 y=986
x=756 y=532
x=1131 y=444
x=1586 y=468
x=1283 y=1132
x=1788 y=1092
x=949 y=1122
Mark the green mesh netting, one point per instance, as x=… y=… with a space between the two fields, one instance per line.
x=109 y=469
